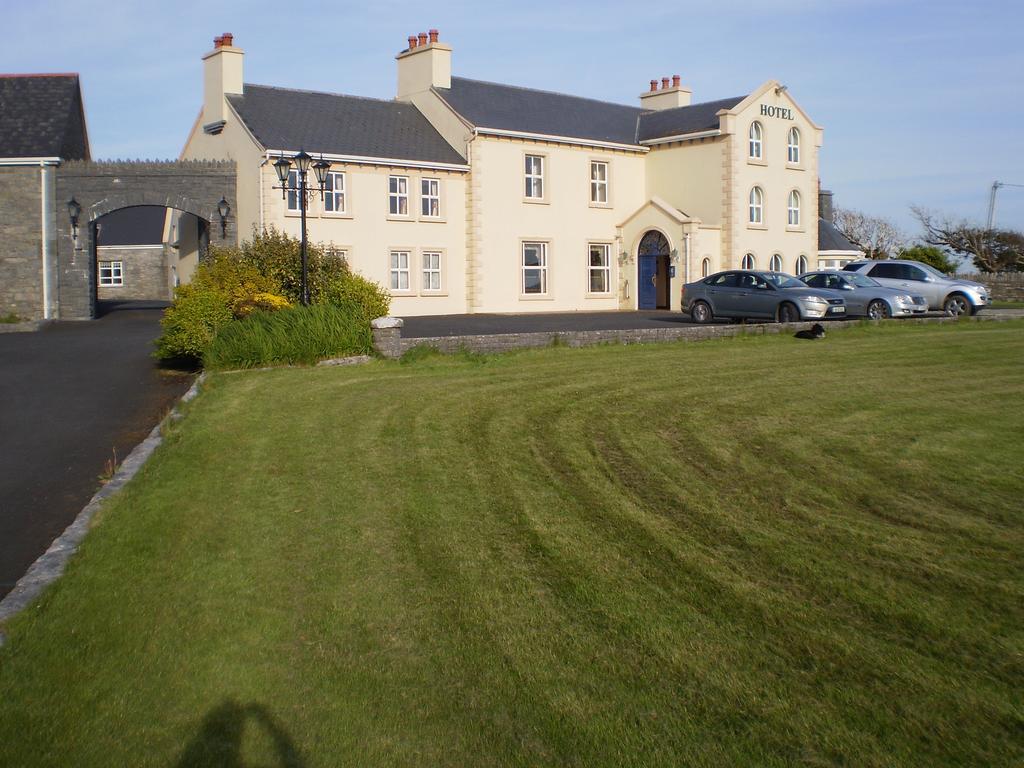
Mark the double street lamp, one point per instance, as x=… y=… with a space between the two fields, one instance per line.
x=302 y=190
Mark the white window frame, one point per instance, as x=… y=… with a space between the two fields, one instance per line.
x=292 y=195
x=533 y=177
x=115 y=274
x=428 y=271
x=793 y=146
x=755 y=145
x=801 y=264
x=398 y=267
x=604 y=269
x=541 y=268
x=599 y=187
x=398 y=196
x=749 y=261
x=430 y=197
x=333 y=195
x=705 y=267
x=775 y=263
x=793 y=208
x=755 y=210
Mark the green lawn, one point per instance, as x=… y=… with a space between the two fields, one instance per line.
x=1008 y=304
x=759 y=551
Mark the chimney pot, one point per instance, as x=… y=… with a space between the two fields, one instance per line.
x=218 y=41
x=675 y=81
x=412 y=42
x=433 y=35
x=654 y=85
x=664 y=82
x=227 y=39
x=423 y=38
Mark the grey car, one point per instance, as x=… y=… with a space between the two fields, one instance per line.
x=866 y=297
x=741 y=294
x=952 y=296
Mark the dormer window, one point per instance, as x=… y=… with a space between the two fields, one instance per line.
x=755 y=151
x=793 y=147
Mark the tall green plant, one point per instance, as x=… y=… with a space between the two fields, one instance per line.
x=278 y=256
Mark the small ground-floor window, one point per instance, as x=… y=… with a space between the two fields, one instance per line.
x=801 y=264
x=535 y=268
x=775 y=264
x=431 y=271
x=705 y=268
x=600 y=268
x=399 y=270
x=748 y=262
x=111 y=273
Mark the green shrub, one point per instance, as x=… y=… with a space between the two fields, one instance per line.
x=296 y=335
x=192 y=322
x=350 y=287
x=278 y=256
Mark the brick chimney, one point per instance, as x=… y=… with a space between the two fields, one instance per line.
x=222 y=74
x=825 y=205
x=424 y=64
x=668 y=96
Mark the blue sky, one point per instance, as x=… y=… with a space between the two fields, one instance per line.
x=922 y=102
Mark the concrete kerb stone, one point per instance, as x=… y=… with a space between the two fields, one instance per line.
x=26 y=327
x=49 y=566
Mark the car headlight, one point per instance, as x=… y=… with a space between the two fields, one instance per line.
x=905 y=299
x=814 y=300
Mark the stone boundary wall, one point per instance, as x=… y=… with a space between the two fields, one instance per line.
x=1002 y=286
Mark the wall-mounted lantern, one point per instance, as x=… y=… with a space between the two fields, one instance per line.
x=74 y=212
x=223 y=210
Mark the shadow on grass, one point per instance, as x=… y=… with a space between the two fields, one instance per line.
x=219 y=741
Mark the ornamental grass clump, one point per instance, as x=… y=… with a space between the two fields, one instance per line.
x=295 y=336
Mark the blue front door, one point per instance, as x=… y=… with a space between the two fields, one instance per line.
x=647 y=294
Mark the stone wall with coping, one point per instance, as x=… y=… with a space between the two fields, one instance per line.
x=21 y=272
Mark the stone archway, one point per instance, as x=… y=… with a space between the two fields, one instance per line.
x=193 y=187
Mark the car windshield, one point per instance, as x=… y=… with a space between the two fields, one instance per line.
x=861 y=281
x=783 y=280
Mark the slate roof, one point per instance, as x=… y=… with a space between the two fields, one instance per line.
x=282 y=118
x=831 y=239
x=682 y=120
x=42 y=116
x=138 y=225
x=511 y=108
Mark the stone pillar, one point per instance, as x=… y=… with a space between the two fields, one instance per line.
x=387 y=336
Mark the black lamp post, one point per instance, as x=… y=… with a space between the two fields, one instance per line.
x=302 y=161
x=74 y=212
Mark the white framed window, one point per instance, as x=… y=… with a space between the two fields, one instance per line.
x=756 y=149
x=598 y=182
x=534 y=171
x=705 y=268
x=334 y=192
x=748 y=261
x=793 y=146
x=432 y=271
x=775 y=263
x=535 y=268
x=756 y=214
x=599 y=268
x=801 y=264
x=399 y=270
x=111 y=273
x=793 y=209
x=430 y=198
x=398 y=195
x=293 y=191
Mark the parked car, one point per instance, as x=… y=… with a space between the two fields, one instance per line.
x=741 y=294
x=952 y=296
x=866 y=297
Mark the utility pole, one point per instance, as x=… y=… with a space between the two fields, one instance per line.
x=992 y=200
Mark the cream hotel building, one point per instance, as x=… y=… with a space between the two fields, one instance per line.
x=464 y=196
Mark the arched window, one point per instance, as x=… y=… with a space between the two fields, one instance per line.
x=756 y=206
x=794 y=209
x=755 y=140
x=653 y=243
x=775 y=265
x=801 y=264
x=705 y=268
x=793 y=148
x=748 y=262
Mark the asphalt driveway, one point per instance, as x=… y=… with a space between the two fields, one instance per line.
x=547 y=322
x=71 y=395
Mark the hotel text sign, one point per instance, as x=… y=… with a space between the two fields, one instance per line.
x=770 y=111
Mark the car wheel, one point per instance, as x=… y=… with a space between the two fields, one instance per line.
x=788 y=313
x=701 y=312
x=957 y=305
x=879 y=310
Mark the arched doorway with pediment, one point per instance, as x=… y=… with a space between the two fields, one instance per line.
x=654 y=271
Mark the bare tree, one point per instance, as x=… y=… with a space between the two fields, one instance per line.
x=879 y=238
x=993 y=250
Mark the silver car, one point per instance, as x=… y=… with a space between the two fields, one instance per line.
x=866 y=297
x=954 y=297
x=741 y=294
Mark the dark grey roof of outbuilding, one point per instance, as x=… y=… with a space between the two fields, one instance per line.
x=42 y=116
x=679 y=121
x=138 y=225
x=511 y=108
x=282 y=118
x=831 y=239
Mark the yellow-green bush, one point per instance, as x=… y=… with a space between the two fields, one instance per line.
x=350 y=287
x=191 y=323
